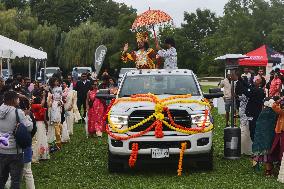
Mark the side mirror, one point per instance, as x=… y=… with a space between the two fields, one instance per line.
x=105 y=94
x=214 y=93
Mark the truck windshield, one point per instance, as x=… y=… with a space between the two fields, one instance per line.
x=159 y=85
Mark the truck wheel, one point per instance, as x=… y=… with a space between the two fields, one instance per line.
x=114 y=167
x=206 y=164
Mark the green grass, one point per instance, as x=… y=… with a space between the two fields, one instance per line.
x=83 y=164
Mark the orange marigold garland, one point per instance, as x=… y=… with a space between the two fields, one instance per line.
x=133 y=156
x=183 y=148
x=159 y=129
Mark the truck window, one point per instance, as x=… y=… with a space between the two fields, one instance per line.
x=159 y=85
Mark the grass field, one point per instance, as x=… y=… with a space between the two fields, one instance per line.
x=83 y=164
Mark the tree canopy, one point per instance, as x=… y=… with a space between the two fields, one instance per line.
x=70 y=30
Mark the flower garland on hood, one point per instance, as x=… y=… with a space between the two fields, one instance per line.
x=161 y=107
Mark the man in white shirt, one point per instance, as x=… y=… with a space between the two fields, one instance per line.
x=226 y=84
x=246 y=73
x=170 y=54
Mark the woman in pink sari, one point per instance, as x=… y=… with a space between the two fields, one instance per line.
x=275 y=86
x=96 y=109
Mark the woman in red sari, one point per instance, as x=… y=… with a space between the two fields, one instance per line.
x=96 y=109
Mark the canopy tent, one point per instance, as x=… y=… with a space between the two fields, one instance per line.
x=11 y=49
x=7 y=54
x=261 y=57
x=19 y=50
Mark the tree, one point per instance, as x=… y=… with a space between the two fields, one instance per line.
x=71 y=13
x=189 y=38
x=47 y=37
x=80 y=43
x=63 y=13
x=10 y=4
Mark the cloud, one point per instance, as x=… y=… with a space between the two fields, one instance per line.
x=176 y=8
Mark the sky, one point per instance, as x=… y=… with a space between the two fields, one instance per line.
x=176 y=8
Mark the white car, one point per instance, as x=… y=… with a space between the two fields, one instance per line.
x=5 y=73
x=83 y=70
x=163 y=83
x=49 y=72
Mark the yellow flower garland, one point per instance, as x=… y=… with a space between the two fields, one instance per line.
x=160 y=105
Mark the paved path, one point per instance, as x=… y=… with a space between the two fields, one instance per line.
x=209 y=83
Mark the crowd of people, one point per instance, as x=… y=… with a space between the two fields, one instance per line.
x=260 y=107
x=48 y=111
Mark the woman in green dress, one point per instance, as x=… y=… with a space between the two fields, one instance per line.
x=264 y=135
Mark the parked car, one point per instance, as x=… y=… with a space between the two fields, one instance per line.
x=83 y=70
x=5 y=73
x=163 y=83
x=49 y=72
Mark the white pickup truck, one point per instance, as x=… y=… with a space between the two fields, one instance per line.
x=163 y=83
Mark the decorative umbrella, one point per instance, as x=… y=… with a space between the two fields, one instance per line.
x=150 y=19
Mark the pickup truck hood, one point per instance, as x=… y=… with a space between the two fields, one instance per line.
x=126 y=108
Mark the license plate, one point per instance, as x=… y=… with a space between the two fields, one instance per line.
x=160 y=153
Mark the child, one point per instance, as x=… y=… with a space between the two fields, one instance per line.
x=264 y=135
x=42 y=126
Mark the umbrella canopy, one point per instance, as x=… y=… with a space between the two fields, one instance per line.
x=150 y=18
x=261 y=57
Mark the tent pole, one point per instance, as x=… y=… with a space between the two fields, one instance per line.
x=45 y=71
x=35 y=70
x=1 y=74
x=9 y=66
x=30 y=75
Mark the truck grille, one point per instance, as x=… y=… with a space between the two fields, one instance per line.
x=159 y=144
x=180 y=117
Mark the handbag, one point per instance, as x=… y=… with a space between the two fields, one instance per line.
x=22 y=135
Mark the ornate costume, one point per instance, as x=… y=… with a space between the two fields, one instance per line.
x=143 y=58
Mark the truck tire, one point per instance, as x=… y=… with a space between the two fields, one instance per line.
x=114 y=167
x=208 y=164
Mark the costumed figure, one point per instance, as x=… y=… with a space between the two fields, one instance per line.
x=144 y=57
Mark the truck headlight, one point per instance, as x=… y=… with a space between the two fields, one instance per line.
x=199 y=119
x=119 y=120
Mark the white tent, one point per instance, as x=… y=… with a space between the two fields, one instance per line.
x=11 y=49
x=20 y=50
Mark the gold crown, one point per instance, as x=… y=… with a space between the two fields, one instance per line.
x=142 y=36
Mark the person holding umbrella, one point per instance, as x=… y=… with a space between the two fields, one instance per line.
x=170 y=54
